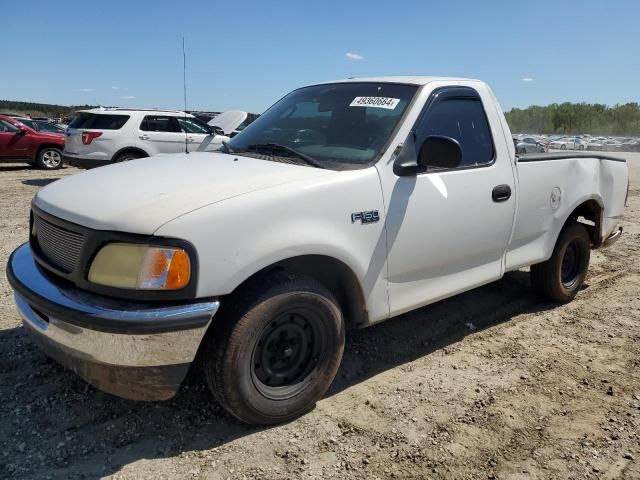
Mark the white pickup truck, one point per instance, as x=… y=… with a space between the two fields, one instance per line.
x=343 y=205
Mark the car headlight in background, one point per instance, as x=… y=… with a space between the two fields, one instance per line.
x=141 y=267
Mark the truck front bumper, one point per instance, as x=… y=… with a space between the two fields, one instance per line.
x=135 y=350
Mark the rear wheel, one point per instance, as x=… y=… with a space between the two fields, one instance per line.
x=49 y=158
x=126 y=156
x=560 y=278
x=563 y=147
x=277 y=351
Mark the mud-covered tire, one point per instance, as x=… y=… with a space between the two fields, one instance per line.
x=560 y=278
x=276 y=351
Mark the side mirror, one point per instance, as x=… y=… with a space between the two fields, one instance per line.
x=440 y=152
x=21 y=131
x=215 y=130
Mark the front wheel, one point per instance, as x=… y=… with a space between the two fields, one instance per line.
x=563 y=147
x=277 y=350
x=560 y=278
x=49 y=158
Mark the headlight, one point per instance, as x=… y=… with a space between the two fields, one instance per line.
x=141 y=267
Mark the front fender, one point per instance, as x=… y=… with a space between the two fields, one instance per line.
x=243 y=235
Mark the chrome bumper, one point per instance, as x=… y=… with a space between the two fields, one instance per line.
x=135 y=350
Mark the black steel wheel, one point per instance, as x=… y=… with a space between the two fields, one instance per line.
x=277 y=349
x=561 y=277
x=570 y=267
x=287 y=353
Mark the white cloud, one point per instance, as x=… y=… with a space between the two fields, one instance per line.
x=128 y=97
x=86 y=89
x=527 y=79
x=354 y=56
x=115 y=88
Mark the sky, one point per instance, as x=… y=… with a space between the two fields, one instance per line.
x=246 y=55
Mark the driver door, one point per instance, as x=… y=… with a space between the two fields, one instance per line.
x=447 y=230
x=13 y=144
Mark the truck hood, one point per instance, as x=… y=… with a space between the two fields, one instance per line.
x=142 y=195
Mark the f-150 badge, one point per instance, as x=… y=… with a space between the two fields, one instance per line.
x=365 y=217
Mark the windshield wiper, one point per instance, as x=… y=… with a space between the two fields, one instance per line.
x=275 y=147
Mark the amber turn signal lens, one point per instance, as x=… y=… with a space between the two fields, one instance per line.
x=179 y=271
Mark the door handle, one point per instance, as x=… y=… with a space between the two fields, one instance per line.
x=144 y=137
x=501 y=193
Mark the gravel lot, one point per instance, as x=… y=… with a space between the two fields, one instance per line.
x=489 y=384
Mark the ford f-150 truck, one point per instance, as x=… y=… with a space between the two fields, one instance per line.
x=343 y=205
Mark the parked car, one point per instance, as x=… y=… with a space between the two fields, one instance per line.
x=41 y=125
x=260 y=256
x=530 y=145
x=108 y=135
x=611 y=145
x=229 y=122
x=20 y=142
x=632 y=145
x=568 y=143
x=595 y=144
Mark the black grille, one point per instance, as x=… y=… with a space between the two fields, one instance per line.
x=61 y=247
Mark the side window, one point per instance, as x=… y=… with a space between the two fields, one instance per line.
x=463 y=119
x=160 y=123
x=101 y=121
x=6 y=127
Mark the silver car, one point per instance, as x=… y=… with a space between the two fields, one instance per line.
x=529 y=145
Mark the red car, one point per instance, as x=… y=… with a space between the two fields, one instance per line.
x=17 y=141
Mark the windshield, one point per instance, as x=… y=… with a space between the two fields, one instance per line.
x=338 y=125
x=49 y=127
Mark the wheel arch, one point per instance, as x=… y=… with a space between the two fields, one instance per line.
x=47 y=145
x=589 y=213
x=334 y=274
x=129 y=149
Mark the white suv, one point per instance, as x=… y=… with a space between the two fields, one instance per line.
x=106 y=135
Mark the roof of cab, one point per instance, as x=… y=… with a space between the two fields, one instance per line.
x=410 y=80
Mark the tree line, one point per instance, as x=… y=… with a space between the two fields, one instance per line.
x=45 y=109
x=560 y=118
x=577 y=118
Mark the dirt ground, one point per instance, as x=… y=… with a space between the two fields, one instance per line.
x=488 y=384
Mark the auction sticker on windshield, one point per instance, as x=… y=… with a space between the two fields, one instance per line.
x=375 y=102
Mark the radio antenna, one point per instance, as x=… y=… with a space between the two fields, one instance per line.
x=184 y=88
